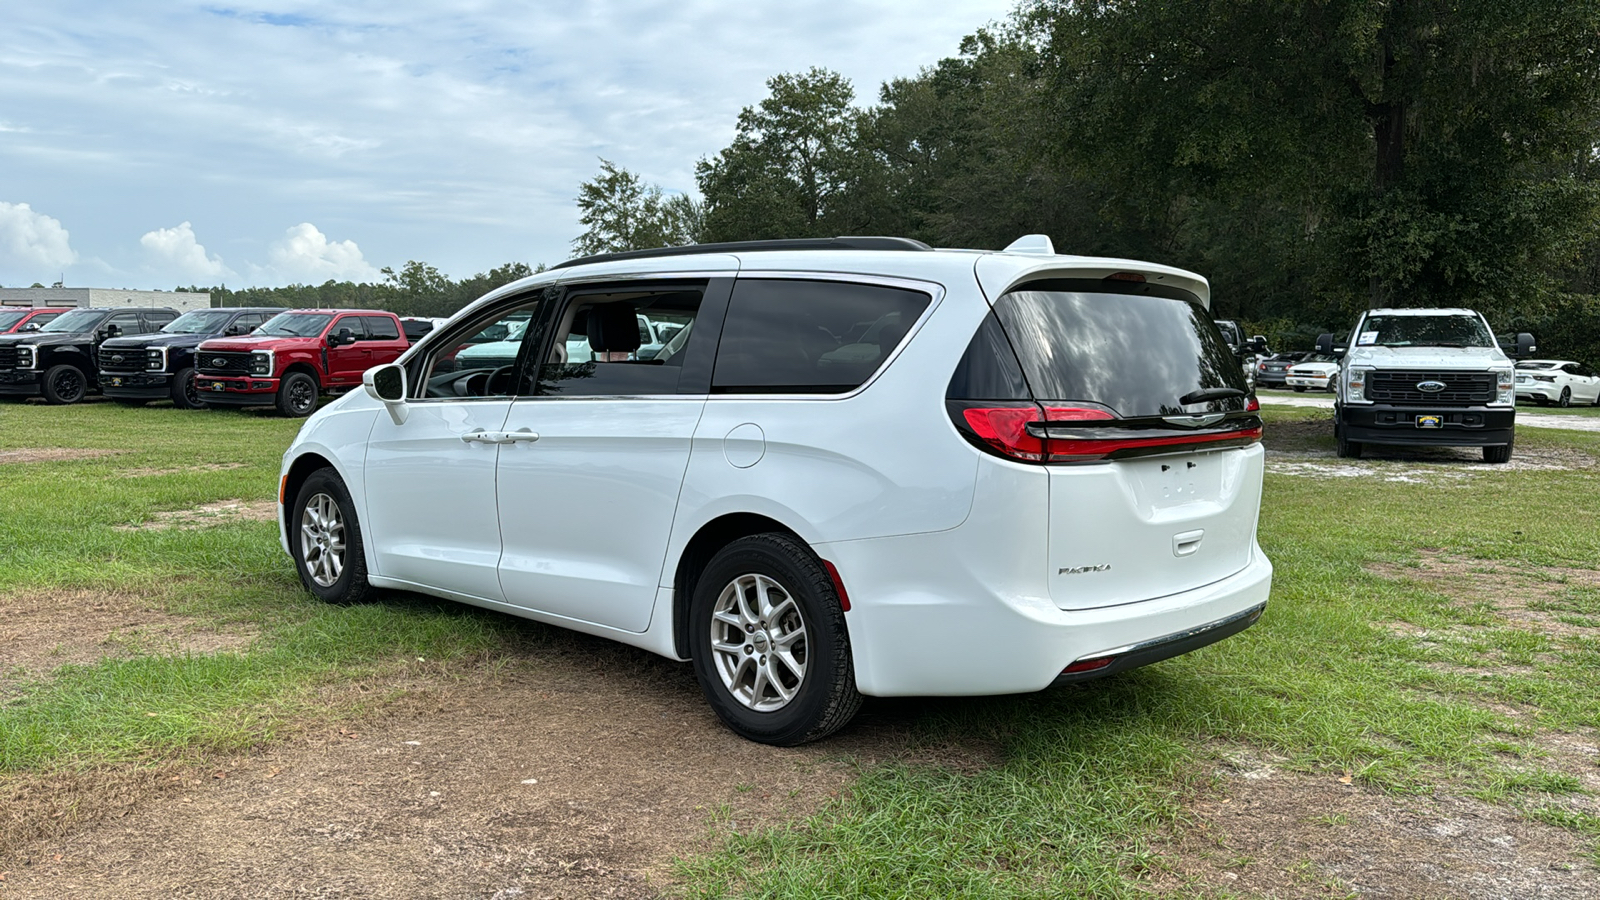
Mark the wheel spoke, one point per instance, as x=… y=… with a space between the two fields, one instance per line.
x=776 y=683
x=794 y=666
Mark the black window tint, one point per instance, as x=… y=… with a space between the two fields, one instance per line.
x=810 y=337
x=380 y=328
x=126 y=323
x=353 y=324
x=155 y=321
x=1135 y=348
x=989 y=369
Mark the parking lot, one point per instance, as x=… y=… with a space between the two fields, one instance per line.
x=1414 y=717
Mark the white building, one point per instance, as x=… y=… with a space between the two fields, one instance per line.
x=182 y=301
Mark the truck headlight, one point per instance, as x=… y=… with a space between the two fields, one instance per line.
x=261 y=362
x=27 y=356
x=1355 y=385
x=155 y=359
x=1506 y=385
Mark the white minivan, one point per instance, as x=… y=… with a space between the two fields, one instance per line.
x=856 y=466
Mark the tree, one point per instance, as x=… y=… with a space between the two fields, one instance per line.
x=621 y=212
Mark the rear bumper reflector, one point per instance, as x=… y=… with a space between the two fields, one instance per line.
x=1110 y=662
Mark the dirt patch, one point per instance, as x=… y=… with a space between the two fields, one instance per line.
x=1272 y=833
x=1424 y=465
x=578 y=768
x=223 y=512
x=40 y=632
x=204 y=467
x=52 y=454
x=1539 y=600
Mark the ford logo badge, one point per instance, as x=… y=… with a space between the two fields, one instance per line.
x=1431 y=387
x=117 y=358
x=219 y=362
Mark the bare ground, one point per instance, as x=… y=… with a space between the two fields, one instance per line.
x=222 y=512
x=42 y=631
x=1267 y=832
x=52 y=454
x=580 y=771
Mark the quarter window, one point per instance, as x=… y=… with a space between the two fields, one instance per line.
x=810 y=337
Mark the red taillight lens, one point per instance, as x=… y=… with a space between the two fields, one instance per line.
x=1018 y=432
x=1091 y=449
x=1075 y=414
x=1006 y=429
x=1253 y=404
x=1088 y=665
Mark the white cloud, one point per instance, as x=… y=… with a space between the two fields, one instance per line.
x=29 y=238
x=175 y=251
x=306 y=255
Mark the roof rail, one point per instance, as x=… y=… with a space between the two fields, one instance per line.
x=833 y=243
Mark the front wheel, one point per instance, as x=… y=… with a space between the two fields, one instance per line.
x=770 y=646
x=64 y=384
x=325 y=540
x=1299 y=389
x=1347 y=449
x=1497 y=454
x=1566 y=398
x=297 y=395
x=185 y=393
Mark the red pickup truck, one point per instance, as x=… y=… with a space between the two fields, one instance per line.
x=296 y=356
x=14 y=320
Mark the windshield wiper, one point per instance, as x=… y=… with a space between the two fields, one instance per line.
x=1204 y=394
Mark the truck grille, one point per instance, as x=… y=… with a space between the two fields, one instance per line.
x=222 y=362
x=8 y=357
x=1460 y=388
x=132 y=359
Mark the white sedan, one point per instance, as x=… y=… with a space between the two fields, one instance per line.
x=1559 y=381
x=1319 y=372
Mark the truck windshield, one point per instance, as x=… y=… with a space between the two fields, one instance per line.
x=77 y=320
x=1454 y=330
x=10 y=319
x=295 y=325
x=198 y=322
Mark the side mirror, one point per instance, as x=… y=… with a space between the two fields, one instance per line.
x=31 y=326
x=1258 y=344
x=1325 y=344
x=1526 y=347
x=236 y=330
x=341 y=337
x=112 y=331
x=387 y=385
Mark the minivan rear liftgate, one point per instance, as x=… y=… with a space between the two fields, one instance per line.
x=1129 y=395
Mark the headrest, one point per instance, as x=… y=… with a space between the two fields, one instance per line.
x=613 y=327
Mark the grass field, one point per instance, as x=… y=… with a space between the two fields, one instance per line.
x=1389 y=656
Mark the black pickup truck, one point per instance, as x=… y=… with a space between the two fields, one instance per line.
x=136 y=370
x=58 y=360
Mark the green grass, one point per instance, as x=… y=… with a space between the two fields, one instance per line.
x=1086 y=779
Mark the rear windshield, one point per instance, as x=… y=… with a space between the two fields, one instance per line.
x=1134 y=348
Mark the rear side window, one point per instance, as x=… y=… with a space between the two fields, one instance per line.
x=380 y=328
x=810 y=337
x=1132 y=348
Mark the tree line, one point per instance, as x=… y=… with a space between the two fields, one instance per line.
x=1312 y=159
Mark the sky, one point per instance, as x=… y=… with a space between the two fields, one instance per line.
x=149 y=144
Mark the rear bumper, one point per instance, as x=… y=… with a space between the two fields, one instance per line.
x=135 y=385
x=20 y=381
x=1549 y=393
x=229 y=390
x=1381 y=423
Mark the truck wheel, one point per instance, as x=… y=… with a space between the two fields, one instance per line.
x=64 y=384
x=769 y=642
x=1566 y=398
x=297 y=395
x=325 y=540
x=1347 y=449
x=184 y=393
x=1497 y=454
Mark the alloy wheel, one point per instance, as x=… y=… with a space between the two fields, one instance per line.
x=68 y=385
x=302 y=396
x=322 y=539
x=758 y=639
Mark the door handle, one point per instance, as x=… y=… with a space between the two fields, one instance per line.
x=479 y=436
x=521 y=435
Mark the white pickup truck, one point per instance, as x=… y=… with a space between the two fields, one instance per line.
x=1425 y=377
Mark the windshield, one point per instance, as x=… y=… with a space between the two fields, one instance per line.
x=295 y=325
x=1424 y=331
x=198 y=322
x=78 y=320
x=10 y=319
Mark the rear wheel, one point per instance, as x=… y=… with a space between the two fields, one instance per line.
x=1566 y=398
x=297 y=395
x=64 y=384
x=325 y=540
x=769 y=642
x=1497 y=454
x=185 y=393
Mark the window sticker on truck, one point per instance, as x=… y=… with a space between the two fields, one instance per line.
x=1367 y=339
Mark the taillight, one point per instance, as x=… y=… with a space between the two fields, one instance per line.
x=1253 y=404
x=1067 y=434
x=1005 y=428
x=1095 y=449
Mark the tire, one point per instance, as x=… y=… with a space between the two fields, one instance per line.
x=1346 y=449
x=742 y=687
x=1333 y=385
x=1299 y=389
x=297 y=395
x=64 y=385
x=184 y=394
x=1497 y=454
x=325 y=540
x=1566 y=398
